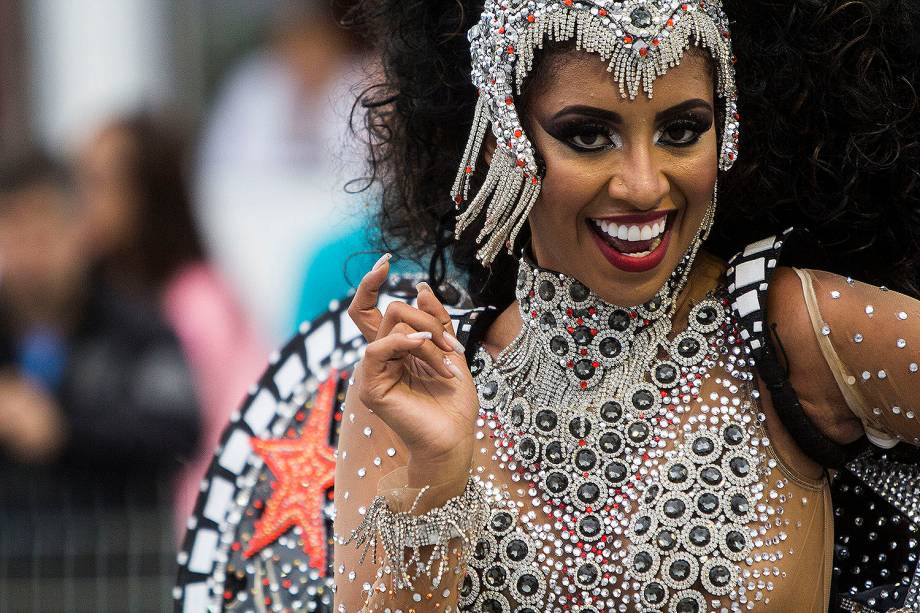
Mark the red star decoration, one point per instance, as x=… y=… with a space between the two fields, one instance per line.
x=304 y=468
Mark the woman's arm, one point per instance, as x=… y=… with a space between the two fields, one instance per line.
x=416 y=525
x=852 y=351
x=372 y=461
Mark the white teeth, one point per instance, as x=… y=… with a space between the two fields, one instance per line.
x=632 y=233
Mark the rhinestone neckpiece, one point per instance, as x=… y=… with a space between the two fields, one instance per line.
x=587 y=406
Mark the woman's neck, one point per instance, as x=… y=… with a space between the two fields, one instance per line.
x=705 y=276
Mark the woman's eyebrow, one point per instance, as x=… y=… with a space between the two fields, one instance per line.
x=590 y=111
x=687 y=105
x=613 y=117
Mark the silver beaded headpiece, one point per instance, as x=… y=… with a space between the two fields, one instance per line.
x=640 y=40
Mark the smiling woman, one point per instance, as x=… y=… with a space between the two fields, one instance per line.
x=626 y=422
x=622 y=379
x=628 y=182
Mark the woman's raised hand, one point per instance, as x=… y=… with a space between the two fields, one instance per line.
x=415 y=378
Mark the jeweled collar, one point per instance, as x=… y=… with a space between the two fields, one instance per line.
x=590 y=338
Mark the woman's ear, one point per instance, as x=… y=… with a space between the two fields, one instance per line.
x=489 y=148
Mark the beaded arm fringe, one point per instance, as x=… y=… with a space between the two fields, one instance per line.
x=399 y=533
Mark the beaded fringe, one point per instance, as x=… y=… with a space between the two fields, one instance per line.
x=631 y=70
x=462 y=517
x=508 y=194
x=509 y=191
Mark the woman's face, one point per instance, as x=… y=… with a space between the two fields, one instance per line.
x=106 y=187
x=628 y=182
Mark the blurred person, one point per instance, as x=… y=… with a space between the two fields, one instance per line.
x=97 y=409
x=132 y=180
x=275 y=158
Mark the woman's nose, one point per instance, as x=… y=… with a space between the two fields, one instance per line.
x=639 y=182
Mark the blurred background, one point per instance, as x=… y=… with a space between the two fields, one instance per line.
x=172 y=205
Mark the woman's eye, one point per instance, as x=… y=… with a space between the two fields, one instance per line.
x=680 y=134
x=591 y=140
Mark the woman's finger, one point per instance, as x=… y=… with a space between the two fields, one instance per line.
x=430 y=357
x=400 y=312
x=383 y=362
x=385 y=358
x=363 y=309
x=428 y=303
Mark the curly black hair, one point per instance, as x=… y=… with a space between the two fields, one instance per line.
x=830 y=133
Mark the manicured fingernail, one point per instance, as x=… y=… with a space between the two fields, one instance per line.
x=457 y=345
x=421 y=286
x=455 y=371
x=420 y=335
x=383 y=260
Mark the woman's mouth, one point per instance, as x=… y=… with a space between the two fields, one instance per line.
x=634 y=243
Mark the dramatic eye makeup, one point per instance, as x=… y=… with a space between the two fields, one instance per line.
x=684 y=130
x=589 y=129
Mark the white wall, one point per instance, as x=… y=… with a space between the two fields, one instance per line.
x=93 y=59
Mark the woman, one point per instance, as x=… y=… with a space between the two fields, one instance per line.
x=624 y=464
x=628 y=423
x=146 y=243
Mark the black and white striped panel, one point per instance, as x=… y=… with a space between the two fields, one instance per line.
x=748 y=277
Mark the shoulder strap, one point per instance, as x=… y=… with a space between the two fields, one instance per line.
x=748 y=277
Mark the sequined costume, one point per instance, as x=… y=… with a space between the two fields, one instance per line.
x=688 y=497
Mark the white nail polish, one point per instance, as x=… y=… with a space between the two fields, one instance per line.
x=421 y=286
x=452 y=368
x=457 y=345
x=383 y=260
x=417 y=335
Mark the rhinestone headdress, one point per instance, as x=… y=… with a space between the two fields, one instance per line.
x=640 y=40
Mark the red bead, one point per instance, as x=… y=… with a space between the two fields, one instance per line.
x=531 y=18
x=628 y=39
x=602 y=12
x=468 y=170
x=643 y=51
x=518 y=134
